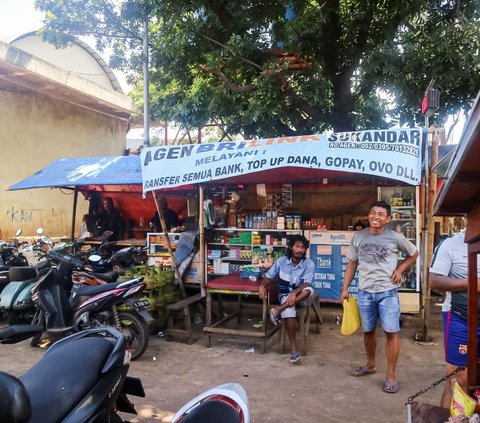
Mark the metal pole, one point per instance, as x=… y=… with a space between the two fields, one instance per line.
x=74 y=214
x=146 y=81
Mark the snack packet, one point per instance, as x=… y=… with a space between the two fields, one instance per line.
x=462 y=404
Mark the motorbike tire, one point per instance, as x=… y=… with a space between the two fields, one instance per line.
x=135 y=333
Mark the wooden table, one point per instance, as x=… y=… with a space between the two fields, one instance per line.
x=120 y=243
x=233 y=285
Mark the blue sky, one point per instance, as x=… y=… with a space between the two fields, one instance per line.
x=18 y=17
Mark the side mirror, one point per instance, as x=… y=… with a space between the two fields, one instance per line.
x=46 y=240
x=94 y=258
x=18 y=232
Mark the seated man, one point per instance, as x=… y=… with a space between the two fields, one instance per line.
x=171 y=218
x=111 y=220
x=295 y=274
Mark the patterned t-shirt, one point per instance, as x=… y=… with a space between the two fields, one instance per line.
x=377 y=257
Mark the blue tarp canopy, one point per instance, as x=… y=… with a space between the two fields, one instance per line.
x=87 y=173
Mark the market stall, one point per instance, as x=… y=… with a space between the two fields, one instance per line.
x=116 y=177
x=320 y=184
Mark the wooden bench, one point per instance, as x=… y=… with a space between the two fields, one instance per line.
x=184 y=306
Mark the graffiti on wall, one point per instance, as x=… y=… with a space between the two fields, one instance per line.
x=19 y=215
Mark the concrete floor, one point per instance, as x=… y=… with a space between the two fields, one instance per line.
x=318 y=389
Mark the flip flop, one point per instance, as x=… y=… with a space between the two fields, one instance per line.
x=362 y=371
x=390 y=388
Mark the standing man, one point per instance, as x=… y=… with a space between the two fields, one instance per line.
x=449 y=272
x=375 y=251
x=294 y=275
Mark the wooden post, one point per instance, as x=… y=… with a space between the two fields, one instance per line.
x=169 y=246
x=432 y=191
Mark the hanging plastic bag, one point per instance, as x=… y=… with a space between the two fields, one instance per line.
x=351 y=317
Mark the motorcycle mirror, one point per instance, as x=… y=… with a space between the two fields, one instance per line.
x=47 y=240
x=18 y=232
x=94 y=258
x=39 y=231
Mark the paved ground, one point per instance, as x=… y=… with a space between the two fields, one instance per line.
x=319 y=389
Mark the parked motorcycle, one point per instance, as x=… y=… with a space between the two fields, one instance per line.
x=81 y=378
x=90 y=306
x=10 y=256
x=226 y=403
x=16 y=298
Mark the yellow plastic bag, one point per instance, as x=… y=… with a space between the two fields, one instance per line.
x=351 y=317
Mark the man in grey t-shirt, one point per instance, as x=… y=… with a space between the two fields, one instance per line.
x=374 y=251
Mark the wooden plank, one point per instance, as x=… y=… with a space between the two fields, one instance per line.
x=186 y=301
x=235 y=332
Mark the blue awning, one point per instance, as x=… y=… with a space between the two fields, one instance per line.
x=85 y=171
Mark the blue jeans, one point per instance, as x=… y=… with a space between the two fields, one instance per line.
x=383 y=305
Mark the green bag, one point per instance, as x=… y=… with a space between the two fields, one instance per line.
x=351 y=317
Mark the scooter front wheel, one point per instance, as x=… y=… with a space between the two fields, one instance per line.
x=135 y=333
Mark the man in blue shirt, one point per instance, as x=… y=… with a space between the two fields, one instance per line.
x=294 y=274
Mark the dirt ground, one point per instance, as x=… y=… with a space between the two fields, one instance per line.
x=318 y=389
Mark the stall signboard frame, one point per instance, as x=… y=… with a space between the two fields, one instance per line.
x=328 y=251
x=392 y=153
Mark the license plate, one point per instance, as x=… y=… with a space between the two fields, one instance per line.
x=141 y=304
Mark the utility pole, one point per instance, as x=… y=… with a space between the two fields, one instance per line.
x=146 y=82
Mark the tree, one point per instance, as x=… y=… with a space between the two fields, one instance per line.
x=286 y=67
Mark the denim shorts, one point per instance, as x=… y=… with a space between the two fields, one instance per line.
x=383 y=305
x=455 y=339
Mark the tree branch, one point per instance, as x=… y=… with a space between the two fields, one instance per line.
x=238 y=89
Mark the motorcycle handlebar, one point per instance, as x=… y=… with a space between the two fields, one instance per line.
x=65 y=258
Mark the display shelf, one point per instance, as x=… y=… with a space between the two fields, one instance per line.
x=234 y=248
x=404 y=219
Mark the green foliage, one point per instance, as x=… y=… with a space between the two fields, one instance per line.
x=230 y=62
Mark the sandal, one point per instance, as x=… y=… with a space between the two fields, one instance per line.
x=390 y=388
x=295 y=357
x=362 y=371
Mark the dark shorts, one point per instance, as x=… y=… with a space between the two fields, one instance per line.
x=455 y=339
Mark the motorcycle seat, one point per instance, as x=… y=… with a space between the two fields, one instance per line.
x=97 y=289
x=65 y=376
x=110 y=276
